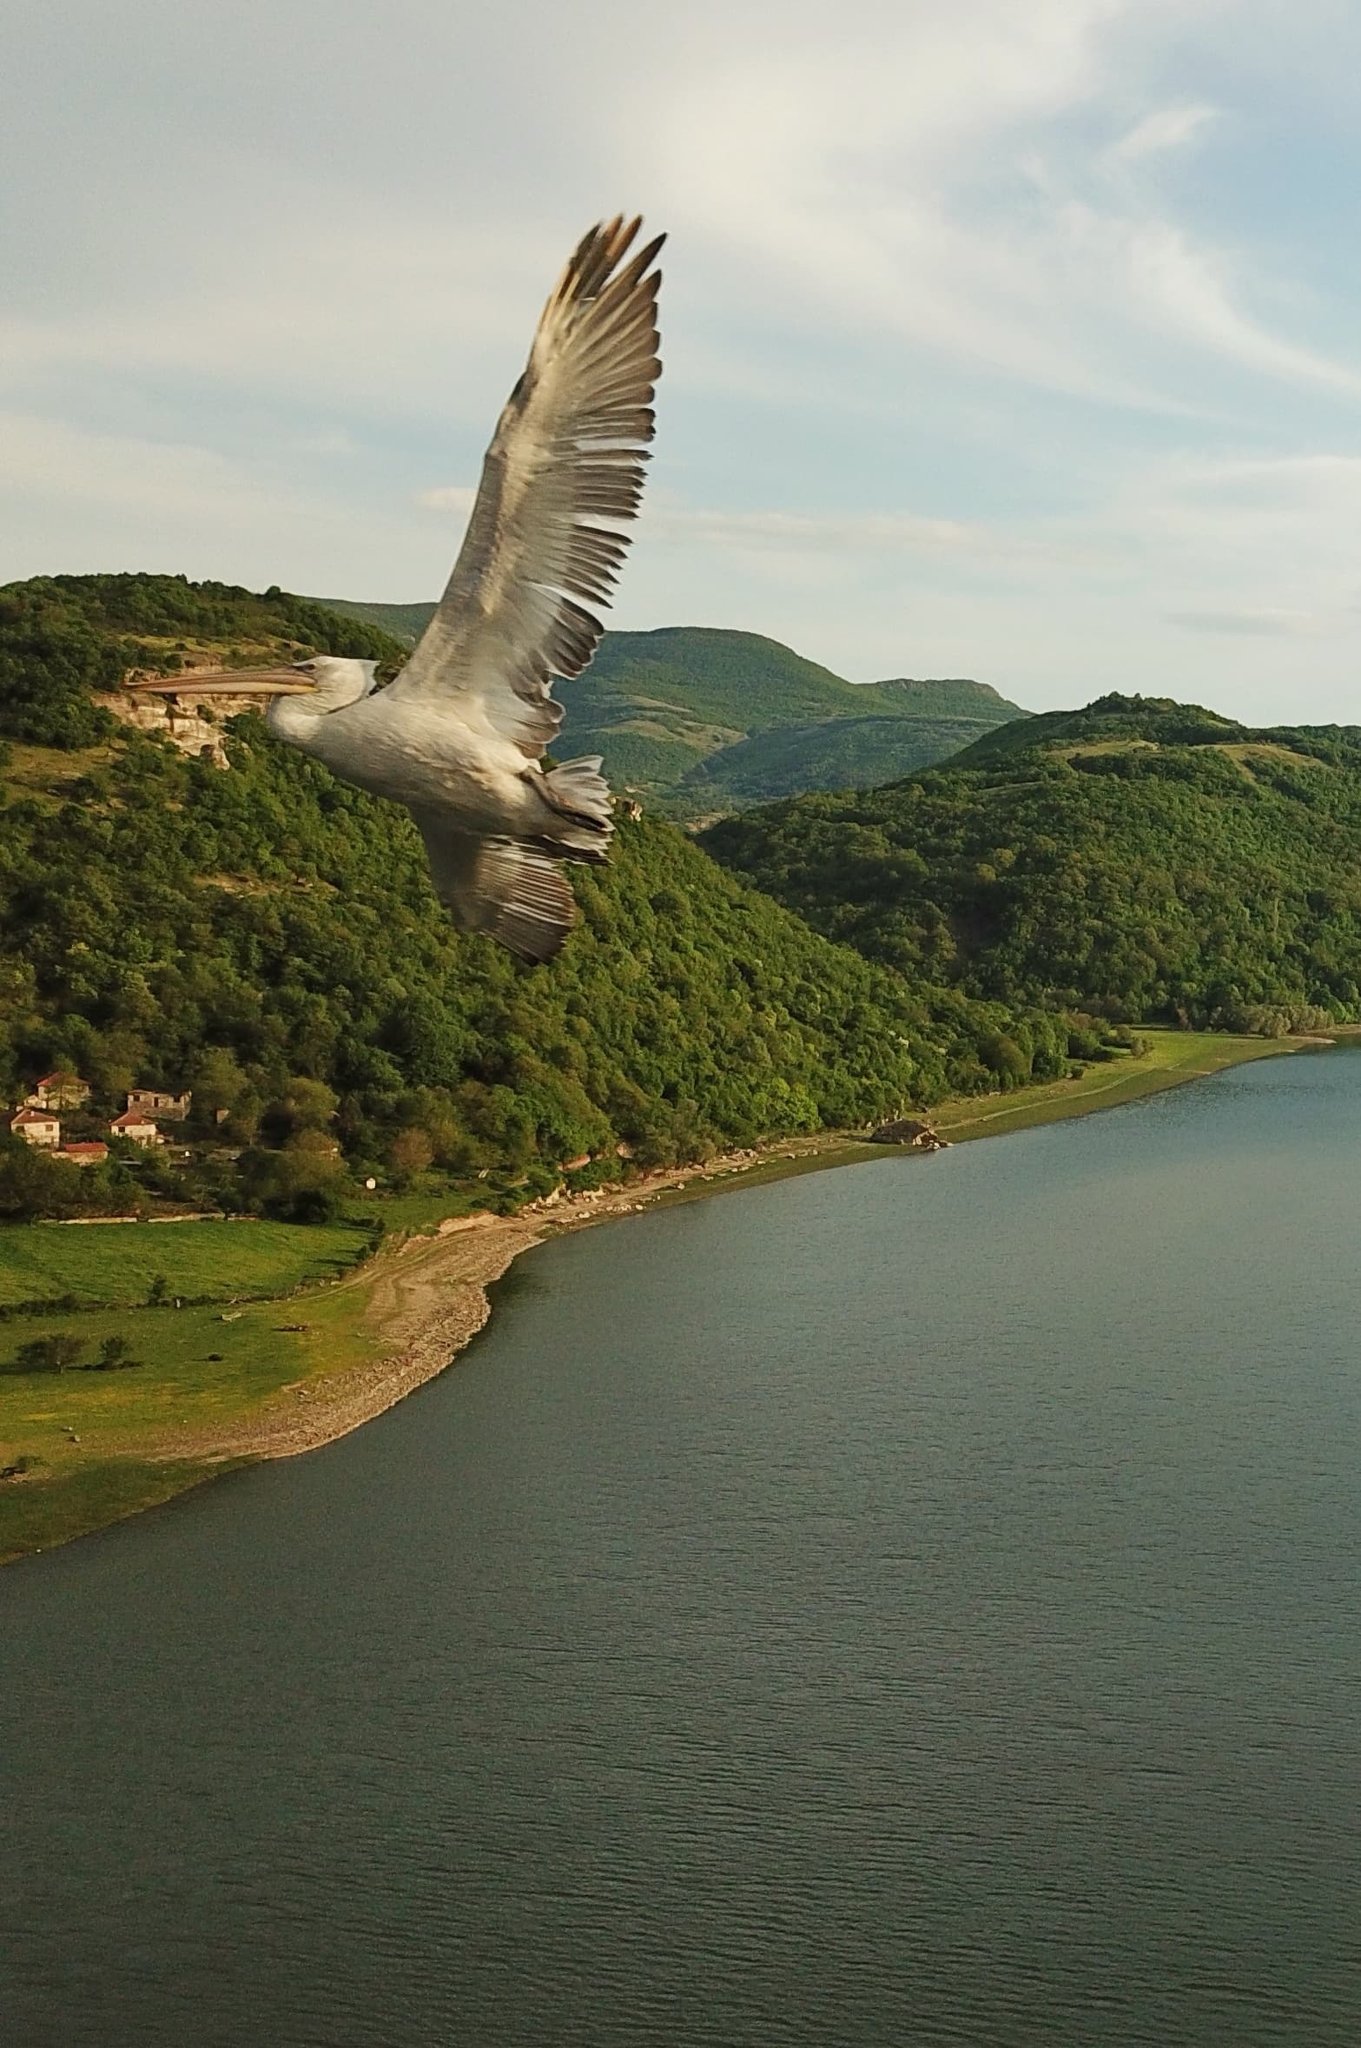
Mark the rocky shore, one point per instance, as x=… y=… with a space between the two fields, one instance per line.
x=428 y=1300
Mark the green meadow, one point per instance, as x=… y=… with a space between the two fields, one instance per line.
x=118 y=1263
x=88 y=1434
x=1170 y=1058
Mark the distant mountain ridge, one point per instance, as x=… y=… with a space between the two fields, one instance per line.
x=1138 y=858
x=703 y=719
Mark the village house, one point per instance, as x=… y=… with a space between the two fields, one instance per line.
x=92 y=1152
x=58 y=1091
x=36 y=1127
x=132 y=1124
x=158 y=1102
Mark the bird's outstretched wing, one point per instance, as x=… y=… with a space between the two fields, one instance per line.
x=513 y=892
x=564 y=469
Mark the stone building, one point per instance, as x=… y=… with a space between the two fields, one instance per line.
x=911 y=1131
x=159 y=1102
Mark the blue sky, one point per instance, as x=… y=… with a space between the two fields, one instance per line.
x=1014 y=341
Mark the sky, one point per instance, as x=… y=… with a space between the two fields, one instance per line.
x=1013 y=341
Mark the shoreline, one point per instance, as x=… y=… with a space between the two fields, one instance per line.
x=412 y=1310
x=429 y=1299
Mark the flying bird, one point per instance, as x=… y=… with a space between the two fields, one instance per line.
x=459 y=735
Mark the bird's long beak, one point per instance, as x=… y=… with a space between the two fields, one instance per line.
x=240 y=682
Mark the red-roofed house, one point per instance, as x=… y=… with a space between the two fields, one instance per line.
x=85 y=1153
x=36 y=1127
x=134 y=1125
x=61 y=1090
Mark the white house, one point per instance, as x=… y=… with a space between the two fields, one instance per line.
x=61 y=1090
x=36 y=1127
x=134 y=1125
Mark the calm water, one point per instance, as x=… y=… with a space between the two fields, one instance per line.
x=913 y=1604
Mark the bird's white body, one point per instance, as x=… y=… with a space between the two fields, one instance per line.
x=399 y=751
x=459 y=736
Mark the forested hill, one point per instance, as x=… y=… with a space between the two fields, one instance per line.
x=268 y=937
x=701 y=720
x=1140 y=857
x=66 y=639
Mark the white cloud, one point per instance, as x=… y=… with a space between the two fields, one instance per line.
x=448 y=498
x=1167 y=128
x=797 y=532
x=1279 y=625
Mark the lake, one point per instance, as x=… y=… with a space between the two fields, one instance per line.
x=910 y=1604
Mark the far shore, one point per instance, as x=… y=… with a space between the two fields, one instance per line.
x=413 y=1308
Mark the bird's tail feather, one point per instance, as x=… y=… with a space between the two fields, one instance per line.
x=526 y=901
x=580 y=796
x=515 y=893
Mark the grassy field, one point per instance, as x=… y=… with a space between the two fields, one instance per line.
x=86 y=1497
x=1172 y=1057
x=117 y=1262
x=198 y=1371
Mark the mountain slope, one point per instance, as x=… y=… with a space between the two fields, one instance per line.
x=251 y=932
x=681 y=715
x=838 y=753
x=1140 y=857
x=405 y=622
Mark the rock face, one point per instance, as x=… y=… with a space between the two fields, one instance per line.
x=190 y=719
x=909 y=1131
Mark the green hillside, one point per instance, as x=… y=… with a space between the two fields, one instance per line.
x=405 y=622
x=838 y=753
x=63 y=639
x=1139 y=858
x=701 y=719
x=1121 y=721
x=946 y=697
x=268 y=937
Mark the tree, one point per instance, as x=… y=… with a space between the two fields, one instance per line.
x=158 y=1292
x=32 y=1184
x=304 y=1183
x=115 y=1355
x=303 y=1105
x=409 y=1155
x=217 y=1080
x=59 y=1352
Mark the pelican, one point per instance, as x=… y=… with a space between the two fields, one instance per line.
x=459 y=735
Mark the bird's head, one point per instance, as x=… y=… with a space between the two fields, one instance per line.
x=334 y=680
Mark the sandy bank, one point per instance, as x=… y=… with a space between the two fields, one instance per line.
x=427 y=1299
